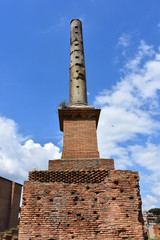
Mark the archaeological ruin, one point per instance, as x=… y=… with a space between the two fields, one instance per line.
x=81 y=196
x=10 y=194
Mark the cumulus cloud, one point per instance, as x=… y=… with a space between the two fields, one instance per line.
x=149 y=202
x=129 y=123
x=144 y=52
x=18 y=155
x=147 y=156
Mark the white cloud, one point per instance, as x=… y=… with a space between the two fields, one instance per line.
x=149 y=202
x=130 y=115
x=19 y=155
x=147 y=156
x=144 y=50
x=124 y=40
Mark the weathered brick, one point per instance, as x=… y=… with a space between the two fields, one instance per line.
x=10 y=194
x=81 y=196
x=109 y=209
x=79 y=132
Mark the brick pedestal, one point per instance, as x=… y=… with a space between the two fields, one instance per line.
x=82 y=199
x=81 y=196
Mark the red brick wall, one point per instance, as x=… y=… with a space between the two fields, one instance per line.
x=110 y=209
x=80 y=164
x=79 y=139
x=5 y=196
x=81 y=196
x=10 y=194
x=15 y=204
x=156 y=229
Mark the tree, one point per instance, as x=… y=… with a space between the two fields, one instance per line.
x=155 y=211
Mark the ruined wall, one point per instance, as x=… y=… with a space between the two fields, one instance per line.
x=14 y=205
x=79 y=164
x=10 y=194
x=81 y=196
x=107 y=209
x=5 y=196
x=156 y=229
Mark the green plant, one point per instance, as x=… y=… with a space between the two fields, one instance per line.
x=154 y=239
x=63 y=104
x=155 y=211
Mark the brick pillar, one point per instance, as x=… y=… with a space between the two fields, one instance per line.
x=79 y=132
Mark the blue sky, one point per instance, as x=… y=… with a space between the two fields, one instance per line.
x=122 y=55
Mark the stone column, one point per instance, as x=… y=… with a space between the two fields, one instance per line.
x=78 y=90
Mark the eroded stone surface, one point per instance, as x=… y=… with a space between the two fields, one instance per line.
x=78 y=90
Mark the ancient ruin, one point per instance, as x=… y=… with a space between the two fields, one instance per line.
x=81 y=196
x=152 y=223
x=10 y=194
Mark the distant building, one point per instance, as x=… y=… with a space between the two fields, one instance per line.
x=152 y=227
x=10 y=193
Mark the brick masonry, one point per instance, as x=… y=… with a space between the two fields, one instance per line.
x=81 y=196
x=80 y=139
x=107 y=209
x=79 y=132
x=156 y=229
x=81 y=164
x=153 y=230
x=10 y=193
